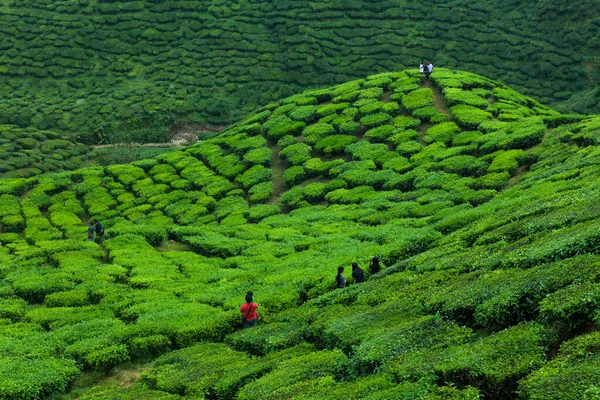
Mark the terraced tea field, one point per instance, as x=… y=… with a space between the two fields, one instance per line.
x=480 y=202
x=114 y=71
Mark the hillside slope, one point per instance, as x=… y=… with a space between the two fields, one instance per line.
x=480 y=202
x=128 y=70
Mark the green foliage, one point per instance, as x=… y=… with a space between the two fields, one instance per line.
x=316 y=132
x=261 y=192
x=296 y=154
x=373 y=120
x=260 y=156
x=294 y=175
x=29 y=152
x=334 y=143
x=487 y=242
x=417 y=99
x=34 y=378
x=469 y=117
x=573 y=374
x=444 y=132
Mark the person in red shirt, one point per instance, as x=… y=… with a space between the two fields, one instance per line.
x=248 y=310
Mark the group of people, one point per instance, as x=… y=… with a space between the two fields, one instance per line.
x=358 y=275
x=250 y=316
x=426 y=68
x=96 y=228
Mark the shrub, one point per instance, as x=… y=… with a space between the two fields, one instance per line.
x=458 y=96
x=286 y=141
x=334 y=143
x=292 y=197
x=469 y=117
x=349 y=127
x=464 y=165
x=444 y=132
x=153 y=234
x=303 y=113
x=381 y=133
x=261 y=192
x=417 y=99
x=13 y=223
x=373 y=120
x=573 y=374
x=314 y=133
x=22 y=378
x=12 y=308
x=403 y=122
x=493 y=364
x=71 y=298
x=208 y=367
x=296 y=154
x=331 y=108
x=507 y=161
x=107 y=357
x=313 y=365
x=294 y=175
x=261 y=156
x=315 y=166
x=466 y=138
x=254 y=175
x=281 y=126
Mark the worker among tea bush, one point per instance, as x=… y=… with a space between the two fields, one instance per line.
x=99 y=231
x=249 y=314
x=358 y=275
x=374 y=266
x=91 y=230
x=340 y=280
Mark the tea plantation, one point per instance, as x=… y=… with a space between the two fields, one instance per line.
x=481 y=203
x=26 y=152
x=114 y=71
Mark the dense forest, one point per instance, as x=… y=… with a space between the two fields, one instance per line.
x=115 y=71
x=480 y=202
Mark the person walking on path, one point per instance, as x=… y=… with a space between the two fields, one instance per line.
x=249 y=314
x=422 y=67
x=340 y=281
x=374 y=266
x=99 y=231
x=428 y=70
x=91 y=230
x=358 y=275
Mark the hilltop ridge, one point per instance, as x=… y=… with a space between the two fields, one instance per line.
x=480 y=201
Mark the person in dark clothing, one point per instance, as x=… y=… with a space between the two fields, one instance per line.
x=340 y=280
x=248 y=309
x=428 y=69
x=358 y=275
x=374 y=266
x=99 y=231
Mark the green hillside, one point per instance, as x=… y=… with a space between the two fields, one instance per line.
x=28 y=152
x=115 y=71
x=481 y=203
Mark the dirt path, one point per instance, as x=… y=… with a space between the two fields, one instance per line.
x=438 y=99
x=181 y=135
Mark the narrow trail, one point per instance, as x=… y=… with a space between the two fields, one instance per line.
x=438 y=98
